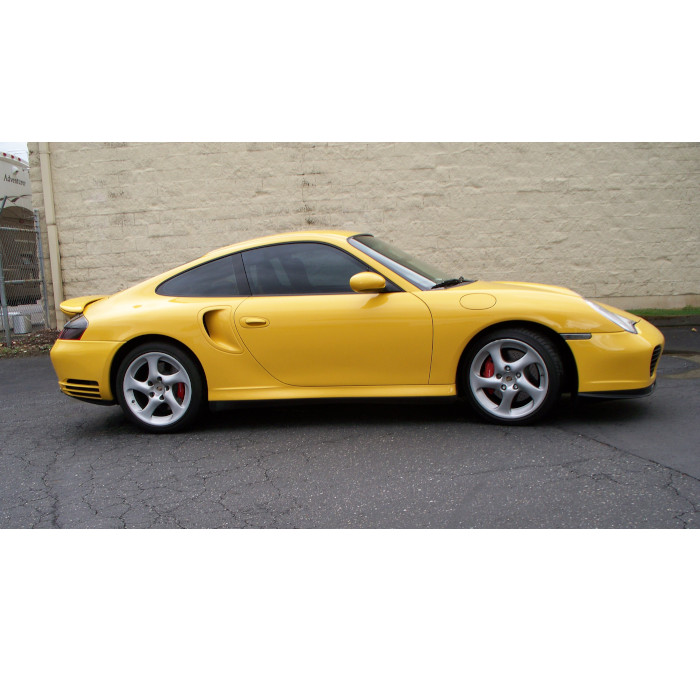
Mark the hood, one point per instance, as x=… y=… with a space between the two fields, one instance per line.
x=528 y=287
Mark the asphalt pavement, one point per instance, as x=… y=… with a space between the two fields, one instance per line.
x=400 y=464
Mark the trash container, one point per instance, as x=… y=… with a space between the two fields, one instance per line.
x=22 y=323
x=13 y=315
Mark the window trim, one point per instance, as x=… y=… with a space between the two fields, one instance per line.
x=405 y=273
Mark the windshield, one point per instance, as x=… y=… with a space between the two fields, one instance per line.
x=421 y=274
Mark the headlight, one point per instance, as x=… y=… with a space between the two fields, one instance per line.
x=618 y=320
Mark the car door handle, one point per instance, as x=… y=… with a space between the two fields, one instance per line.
x=254 y=322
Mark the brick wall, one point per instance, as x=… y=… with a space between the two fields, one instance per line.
x=619 y=222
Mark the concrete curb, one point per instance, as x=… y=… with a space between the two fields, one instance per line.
x=673 y=321
x=681 y=339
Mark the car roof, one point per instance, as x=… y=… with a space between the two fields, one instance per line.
x=288 y=237
x=327 y=235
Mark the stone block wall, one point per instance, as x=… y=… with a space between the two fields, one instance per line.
x=614 y=221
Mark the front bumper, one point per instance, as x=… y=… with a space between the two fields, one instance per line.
x=628 y=394
x=619 y=362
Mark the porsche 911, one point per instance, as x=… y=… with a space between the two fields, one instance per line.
x=337 y=314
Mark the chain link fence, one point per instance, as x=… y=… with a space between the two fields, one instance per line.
x=23 y=300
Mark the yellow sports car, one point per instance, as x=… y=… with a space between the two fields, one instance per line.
x=324 y=314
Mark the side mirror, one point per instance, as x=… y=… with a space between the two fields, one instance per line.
x=367 y=282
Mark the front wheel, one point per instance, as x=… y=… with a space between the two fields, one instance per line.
x=512 y=376
x=159 y=388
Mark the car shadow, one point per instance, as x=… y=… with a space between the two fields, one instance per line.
x=280 y=415
x=601 y=411
x=406 y=411
x=334 y=413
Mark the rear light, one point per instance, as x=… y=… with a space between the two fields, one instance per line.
x=74 y=329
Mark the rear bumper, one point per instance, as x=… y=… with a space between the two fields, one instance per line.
x=83 y=368
x=94 y=402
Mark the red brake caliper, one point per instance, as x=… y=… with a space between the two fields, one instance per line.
x=488 y=371
x=180 y=391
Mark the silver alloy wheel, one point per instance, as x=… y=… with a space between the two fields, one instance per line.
x=157 y=388
x=509 y=378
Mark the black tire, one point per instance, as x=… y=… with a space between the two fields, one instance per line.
x=160 y=388
x=512 y=376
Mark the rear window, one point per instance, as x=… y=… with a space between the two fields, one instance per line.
x=219 y=278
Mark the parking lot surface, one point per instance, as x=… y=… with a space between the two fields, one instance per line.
x=623 y=464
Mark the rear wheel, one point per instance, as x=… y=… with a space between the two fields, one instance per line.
x=159 y=388
x=512 y=376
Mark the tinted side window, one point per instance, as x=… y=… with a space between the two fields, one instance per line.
x=300 y=268
x=217 y=278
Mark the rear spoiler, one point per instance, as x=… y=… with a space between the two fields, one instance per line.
x=73 y=307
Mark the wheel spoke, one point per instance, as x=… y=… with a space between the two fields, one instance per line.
x=153 y=359
x=535 y=392
x=178 y=378
x=496 y=352
x=504 y=407
x=132 y=384
x=529 y=358
x=480 y=382
x=175 y=407
x=148 y=410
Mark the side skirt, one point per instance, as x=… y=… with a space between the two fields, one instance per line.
x=331 y=392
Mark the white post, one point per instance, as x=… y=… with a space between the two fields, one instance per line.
x=52 y=230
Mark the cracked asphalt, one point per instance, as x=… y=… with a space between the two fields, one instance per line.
x=616 y=464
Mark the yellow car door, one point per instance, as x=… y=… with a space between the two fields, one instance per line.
x=306 y=327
